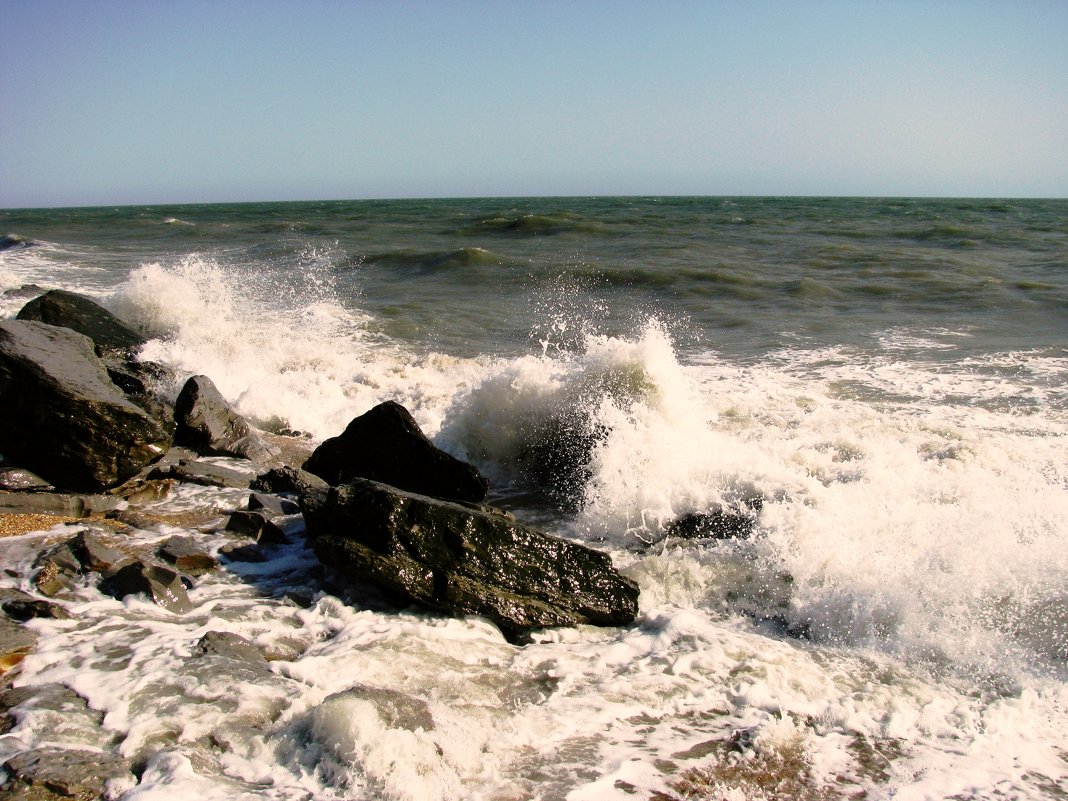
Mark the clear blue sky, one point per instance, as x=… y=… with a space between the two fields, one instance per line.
x=146 y=101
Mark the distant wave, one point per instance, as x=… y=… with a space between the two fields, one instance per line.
x=433 y=261
x=536 y=225
x=15 y=242
x=176 y=221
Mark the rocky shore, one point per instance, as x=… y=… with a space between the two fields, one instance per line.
x=90 y=442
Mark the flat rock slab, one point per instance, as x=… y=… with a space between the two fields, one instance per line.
x=63 y=773
x=464 y=561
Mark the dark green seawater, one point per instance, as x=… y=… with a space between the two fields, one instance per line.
x=742 y=276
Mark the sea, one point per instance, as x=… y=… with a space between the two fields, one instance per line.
x=881 y=384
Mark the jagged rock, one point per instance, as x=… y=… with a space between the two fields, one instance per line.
x=229 y=645
x=257 y=526
x=463 y=561
x=78 y=313
x=271 y=504
x=385 y=444
x=47 y=773
x=209 y=424
x=162 y=585
x=83 y=553
x=67 y=421
x=21 y=606
x=15 y=642
x=184 y=554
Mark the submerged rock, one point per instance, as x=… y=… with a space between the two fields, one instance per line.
x=47 y=773
x=15 y=642
x=66 y=420
x=83 y=553
x=229 y=645
x=210 y=425
x=719 y=523
x=464 y=561
x=386 y=444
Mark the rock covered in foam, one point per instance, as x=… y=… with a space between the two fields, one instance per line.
x=64 y=418
x=386 y=444
x=463 y=560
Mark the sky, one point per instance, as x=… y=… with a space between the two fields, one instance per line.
x=115 y=102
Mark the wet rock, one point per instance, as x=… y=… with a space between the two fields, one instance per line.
x=243 y=553
x=142 y=383
x=162 y=585
x=141 y=492
x=56 y=503
x=229 y=645
x=257 y=526
x=385 y=444
x=26 y=290
x=83 y=553
x=720 y=523
x=195 y=471
x=22 y=606
x=288 y=481
x=395 y=709
x=207 y=423
x=186 y=557
x=557 y=456
x=463 y=561
x=271 y=504
x=67 y=421
x=47 y=773
x=15 y=642
x=51 y=700
x=18 y=479
x=70 y=310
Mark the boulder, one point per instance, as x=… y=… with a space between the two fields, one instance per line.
x=208 y=424
x=184 y=554
x=162 y=585
x=257 y=526
x=460 y=560
x=386 y=444
x=70 y=310
x=64 y=418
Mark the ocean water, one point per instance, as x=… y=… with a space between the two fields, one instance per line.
x=888 y=376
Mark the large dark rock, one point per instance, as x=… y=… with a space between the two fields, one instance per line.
x=63 y=417
x=208 y=424
x=464 y=561
x=69 y=310
x=386 y=445
x=162 y=585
